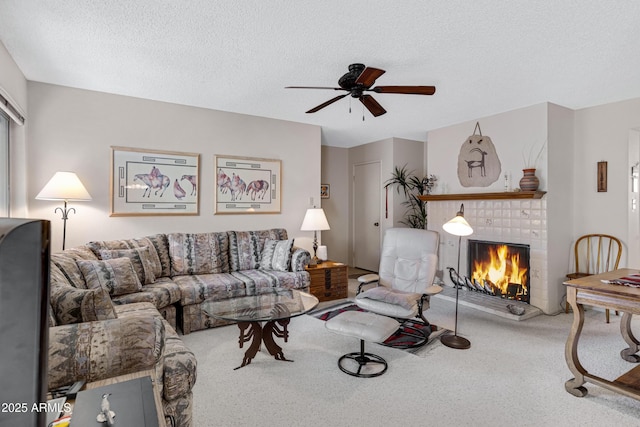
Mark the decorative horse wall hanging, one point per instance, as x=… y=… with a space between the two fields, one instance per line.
x=478 y=162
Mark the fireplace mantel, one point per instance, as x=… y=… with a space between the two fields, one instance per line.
x=484 y=196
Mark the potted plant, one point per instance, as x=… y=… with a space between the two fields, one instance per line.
x=411 y=186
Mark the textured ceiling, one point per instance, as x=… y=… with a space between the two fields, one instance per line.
x=484 y=56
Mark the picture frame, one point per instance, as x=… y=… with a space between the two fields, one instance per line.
x=247 y=185
x=153 y=182
x=602 y=177
x=325 y=191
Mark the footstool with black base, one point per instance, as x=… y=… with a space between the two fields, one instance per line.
x=367 y=327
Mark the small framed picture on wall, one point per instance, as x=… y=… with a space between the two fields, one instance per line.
x=325 y=191
x=602 y=177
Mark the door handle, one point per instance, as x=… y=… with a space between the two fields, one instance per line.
x=376 y=224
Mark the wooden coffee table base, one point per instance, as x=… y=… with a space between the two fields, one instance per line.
x=257 y=334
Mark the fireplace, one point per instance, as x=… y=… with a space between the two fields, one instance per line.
x=499 y=268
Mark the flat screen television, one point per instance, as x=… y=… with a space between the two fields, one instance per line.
x=24 y=302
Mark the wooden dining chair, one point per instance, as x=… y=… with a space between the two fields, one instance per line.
x=595 y=254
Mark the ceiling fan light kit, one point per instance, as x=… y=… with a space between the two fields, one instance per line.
x=358 y=80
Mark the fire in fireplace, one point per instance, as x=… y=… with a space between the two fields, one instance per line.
x=499 y=269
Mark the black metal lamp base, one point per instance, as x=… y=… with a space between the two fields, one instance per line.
x=455 y=341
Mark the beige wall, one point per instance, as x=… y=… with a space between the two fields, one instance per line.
x=602 y=133
x=72 y=129
x=337 y=206
x=14 y=84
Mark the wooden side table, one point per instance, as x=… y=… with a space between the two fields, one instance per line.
x=329 y=280
x=590 y=290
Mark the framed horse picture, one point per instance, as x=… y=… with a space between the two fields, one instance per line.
x=247 y=185
x=151 y=182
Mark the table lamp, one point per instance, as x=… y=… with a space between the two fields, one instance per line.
x=315 y=220
x=458 y=226
x=64 y=186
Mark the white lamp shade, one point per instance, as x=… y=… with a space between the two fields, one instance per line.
x=64 y=186
x=314 y=220
x=458 y=226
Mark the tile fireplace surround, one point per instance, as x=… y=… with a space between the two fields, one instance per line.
x=513 y=221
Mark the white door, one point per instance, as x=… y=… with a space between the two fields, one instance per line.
x=366 y=216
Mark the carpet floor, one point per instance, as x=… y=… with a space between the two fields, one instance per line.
x=513 y=374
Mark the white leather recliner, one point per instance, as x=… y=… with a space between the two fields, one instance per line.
x=408 y=263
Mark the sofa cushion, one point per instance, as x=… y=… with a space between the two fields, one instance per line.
x=197 y=288
x=245 y=247
x=276 y=255
x=117 y=276
x=162 y=293
x=198 y=253
x=257 y=279
x=140 y=259
x=154 y=243
x=73 y=305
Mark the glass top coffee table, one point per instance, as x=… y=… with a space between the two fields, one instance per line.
x=272 y=306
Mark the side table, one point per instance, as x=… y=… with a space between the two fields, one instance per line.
x=329 y=280
x=590 y=290
x=143 y=405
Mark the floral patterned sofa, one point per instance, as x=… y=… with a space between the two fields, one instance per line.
x=116 y=305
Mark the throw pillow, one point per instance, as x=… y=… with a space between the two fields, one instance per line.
x=117 y=276
x=276 y=255
x=154 y=244
x=140 y=259
x=407 y=300
x=73 y=305
x=245 y=247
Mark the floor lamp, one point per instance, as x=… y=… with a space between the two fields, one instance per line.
x=64 y=186
x=457 y=226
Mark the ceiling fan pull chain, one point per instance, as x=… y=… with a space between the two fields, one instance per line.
x=349 y=105
x=363 y=112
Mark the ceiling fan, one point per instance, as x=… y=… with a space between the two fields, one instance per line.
x=358 y=80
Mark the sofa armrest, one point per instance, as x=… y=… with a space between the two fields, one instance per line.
x=300 y=258
x=98 y=350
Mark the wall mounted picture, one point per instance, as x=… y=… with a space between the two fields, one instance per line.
x=478 y=162
x=602 y=177
x=150 y=182
x=325 y=191
x=246 y=185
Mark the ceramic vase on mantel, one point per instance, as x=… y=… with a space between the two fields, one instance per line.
x=529 y=181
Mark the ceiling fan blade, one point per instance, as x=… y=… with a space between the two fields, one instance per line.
x=368 y=76
x=372 y=105
x=410 y=90
x=329 y=102
x=314 y=87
